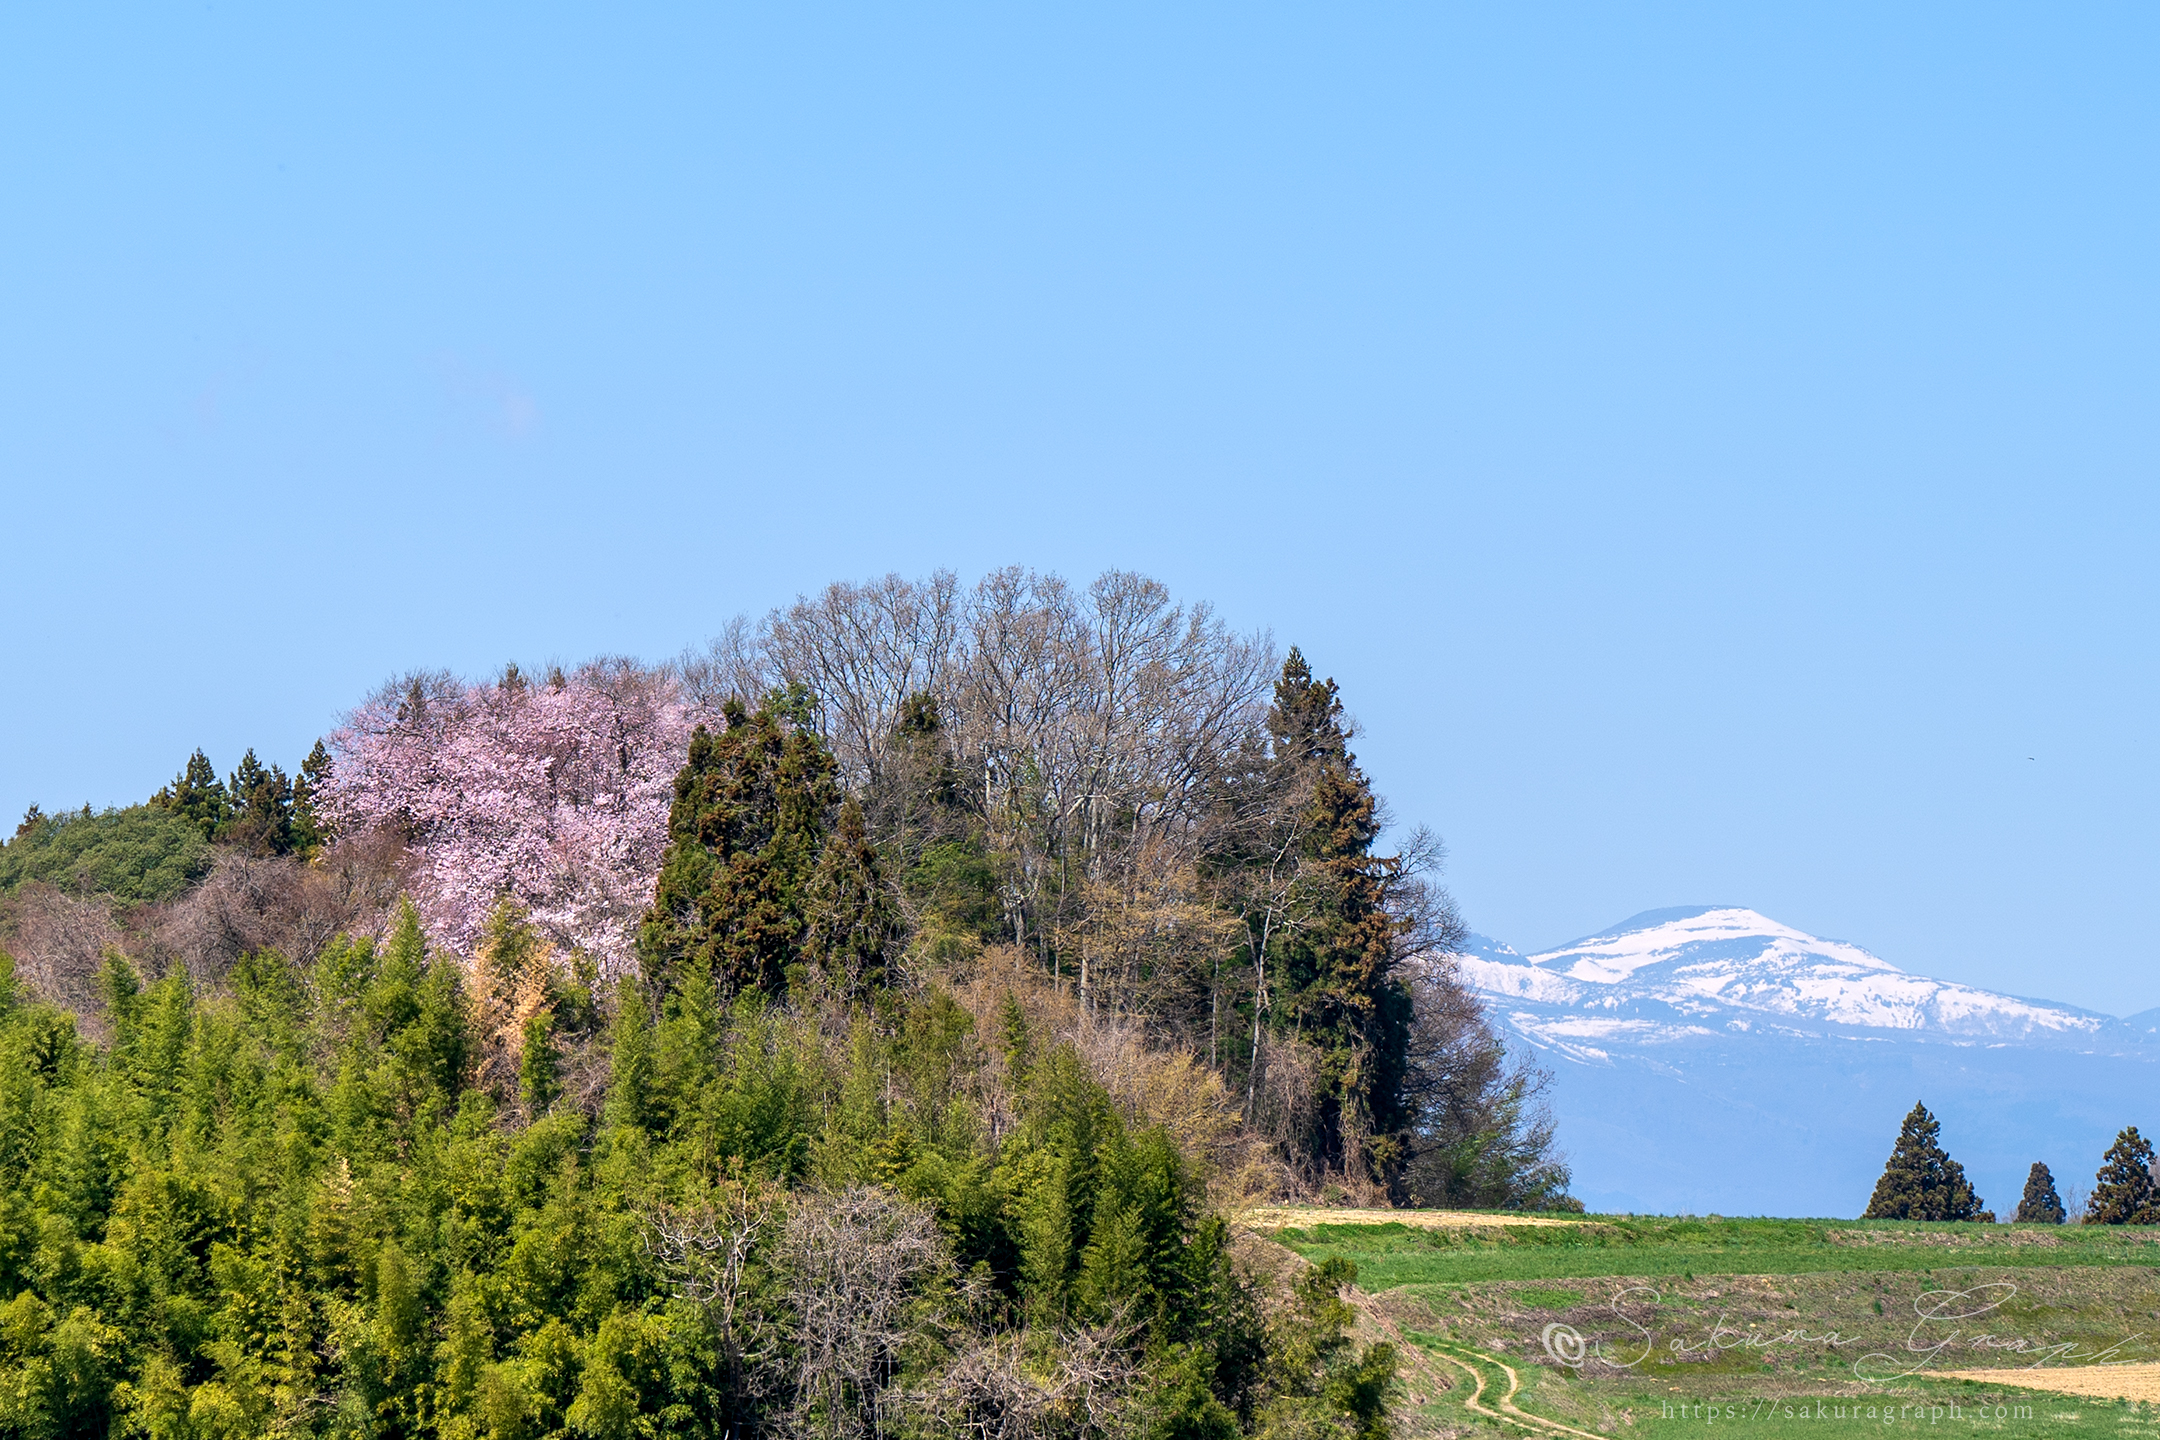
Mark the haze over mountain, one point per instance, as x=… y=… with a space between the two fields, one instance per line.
x=1710 y=1058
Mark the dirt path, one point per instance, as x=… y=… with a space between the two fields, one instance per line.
x=1480 y=1366
x=1424 y=1365
x=2098 y=1382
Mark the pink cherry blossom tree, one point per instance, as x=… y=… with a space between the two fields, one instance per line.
x=554 y=793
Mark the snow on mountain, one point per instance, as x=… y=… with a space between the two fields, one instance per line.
x=1730 y=966
x=1497 y=970
x=1684 y=1039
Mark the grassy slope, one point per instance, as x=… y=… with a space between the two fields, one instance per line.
x=1390 y=1256
x=1745 y=1318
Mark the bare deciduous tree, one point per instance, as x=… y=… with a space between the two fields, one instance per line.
x=1016 y=1387
x=254 y=903
x=705 y=1253
x=702 y=1251
x=863 y=650
x=1484 y=1135
x=732 y=666
x=858 y=1267
x=59 y=941
x=1084 y=729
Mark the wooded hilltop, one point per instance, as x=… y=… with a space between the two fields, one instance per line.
x=865 y=1026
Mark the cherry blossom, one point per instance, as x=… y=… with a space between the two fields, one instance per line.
x=554 y=793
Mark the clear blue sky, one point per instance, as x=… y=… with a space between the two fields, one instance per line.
x=1713 y=448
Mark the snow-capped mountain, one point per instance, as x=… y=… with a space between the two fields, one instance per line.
x=1665 y=974
x=1702 y=1034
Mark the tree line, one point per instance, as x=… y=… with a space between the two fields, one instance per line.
x=859 y=1028
x=1160 y=816
x=1922 y=1182
x=153 y=851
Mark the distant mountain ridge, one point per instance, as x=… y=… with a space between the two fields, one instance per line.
x=1664 y=973
x=1714 y=1030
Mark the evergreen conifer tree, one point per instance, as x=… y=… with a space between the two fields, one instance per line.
x=1337 y=965
x=197 y=795
x=261 y=809
x=2125 y=1192
x=1922 y=1182
x=851 y=918
x=2040 y=1205
x=752 y=808
x=309 y=834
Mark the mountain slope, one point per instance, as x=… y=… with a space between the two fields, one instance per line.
x=1684 y=1039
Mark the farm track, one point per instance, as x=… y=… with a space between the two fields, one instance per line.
x=1489 y=1372
x=2093 y=1382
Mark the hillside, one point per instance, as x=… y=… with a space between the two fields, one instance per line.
x=739 y=1047
x=1639 y=1325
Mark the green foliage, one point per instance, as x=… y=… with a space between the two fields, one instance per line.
x=538 y=1063
x=155 y=851
x=141 y=854
x=2040 y=1205
x=1921 y=1181
x=379 y=1193
x=852 y=924
x=261 y=818
x=197 y=796
x=255 y=809
x=298 y=1208
x=745 y=835
x=1480 y=1143
x=1335 y=967
x=1396 y=1254
x=373 y=1191
x=2125 y=1192
x=1323 y=1379
x=933 y=838
x=630 y=1102
x=309 y=832
x=953 y=886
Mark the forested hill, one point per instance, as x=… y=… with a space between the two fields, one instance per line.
x=862 y=1026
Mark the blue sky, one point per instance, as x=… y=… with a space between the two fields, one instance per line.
x=1713 y=446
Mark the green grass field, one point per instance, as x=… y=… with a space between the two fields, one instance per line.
x=1779 y=1328
x=1394 y=1255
